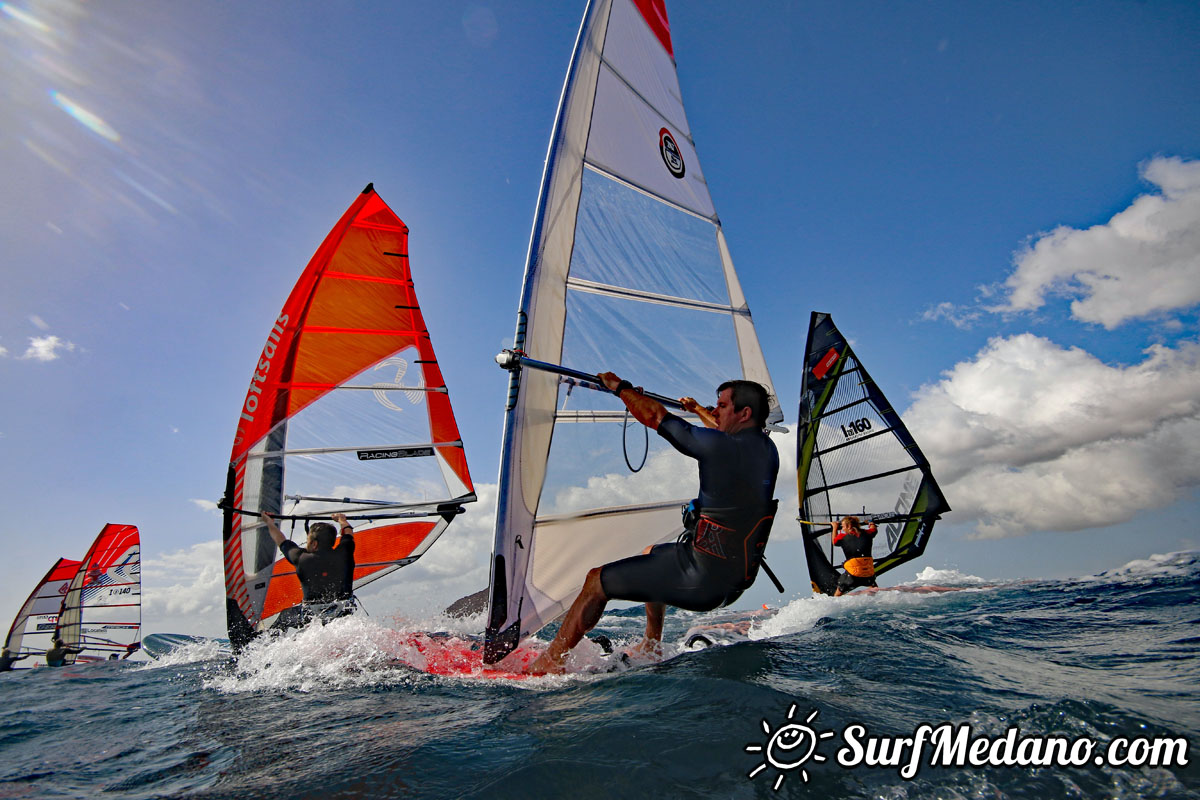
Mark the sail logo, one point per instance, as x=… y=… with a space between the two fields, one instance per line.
x=413 y=393
x=395 y=452
x=907 y=494
x=250 y=406
x=671 y=155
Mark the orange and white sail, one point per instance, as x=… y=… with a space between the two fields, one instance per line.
x=347 y=411
x=628 y=271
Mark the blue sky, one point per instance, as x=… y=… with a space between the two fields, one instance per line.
x=999 y=203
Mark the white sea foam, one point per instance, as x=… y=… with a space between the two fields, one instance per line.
x=203 y=650
x=944 y=577
x=1160 y=564
x=804 y=613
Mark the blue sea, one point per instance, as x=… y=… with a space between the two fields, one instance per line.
x=1106 y=664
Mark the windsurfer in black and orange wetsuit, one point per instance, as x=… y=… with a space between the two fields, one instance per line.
x=720 y=554
x=855 y=541
x=326 y=571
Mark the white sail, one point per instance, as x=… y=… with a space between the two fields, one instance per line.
x=34 y=626
x=628 y=271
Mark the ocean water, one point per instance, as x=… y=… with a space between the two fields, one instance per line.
x=337 y=712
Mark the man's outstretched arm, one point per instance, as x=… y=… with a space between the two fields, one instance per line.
x=692 y=405
x=645 y=410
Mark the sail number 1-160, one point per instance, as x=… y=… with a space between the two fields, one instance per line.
x=856 y=427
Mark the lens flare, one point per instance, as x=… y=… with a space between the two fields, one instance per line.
x=84 y=117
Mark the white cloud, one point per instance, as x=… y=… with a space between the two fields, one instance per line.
x=1032 y=436
x=1143 y=262
x=207 y=505
x=184 y=591
x=46 y=348
x=3 y=351
x=38 y=322
x=961 y=317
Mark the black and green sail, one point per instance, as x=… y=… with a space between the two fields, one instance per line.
x=856 y=458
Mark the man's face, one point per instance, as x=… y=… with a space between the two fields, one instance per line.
x=312 y=543
x=728 y=420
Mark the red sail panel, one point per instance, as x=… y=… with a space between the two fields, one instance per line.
x=375 y=551
x=655 y=14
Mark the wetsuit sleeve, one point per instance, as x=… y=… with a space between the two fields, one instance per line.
x=346 y=540
x=689 y=439
x=291 y=551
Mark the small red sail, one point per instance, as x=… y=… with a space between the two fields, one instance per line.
x=34 y=624
x=347 y=411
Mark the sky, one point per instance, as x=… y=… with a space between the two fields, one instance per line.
x=998 y=203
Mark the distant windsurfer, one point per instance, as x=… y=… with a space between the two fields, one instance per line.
x=855 y=541
x=56 y=656
x=7 y=659
x=325 y=567
x=726 y=526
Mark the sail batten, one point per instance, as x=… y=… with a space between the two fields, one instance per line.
x=355 y=449
x=347 y=401
x=597 y=169
x=593 y=287
x=627 y=271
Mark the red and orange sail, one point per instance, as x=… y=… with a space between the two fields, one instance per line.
x=102 y=607
x=347 y=411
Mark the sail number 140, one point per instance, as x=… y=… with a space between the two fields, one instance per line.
x=856 y=427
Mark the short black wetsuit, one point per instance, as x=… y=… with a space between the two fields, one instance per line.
x=854 y=545
x=737 y=483
x=6 y=662
x=326 y=575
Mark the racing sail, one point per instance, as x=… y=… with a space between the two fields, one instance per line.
x=346 y=412
x=34 y=625
x=627 y=271
x=102 y=608
x=856 y=458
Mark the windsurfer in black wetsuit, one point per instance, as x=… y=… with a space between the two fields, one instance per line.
x=855 y=541
x=7 y=659
x=719 y=556
x=326 y=571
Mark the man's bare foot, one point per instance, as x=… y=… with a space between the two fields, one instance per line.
x=646 y=648
x=545 y=665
